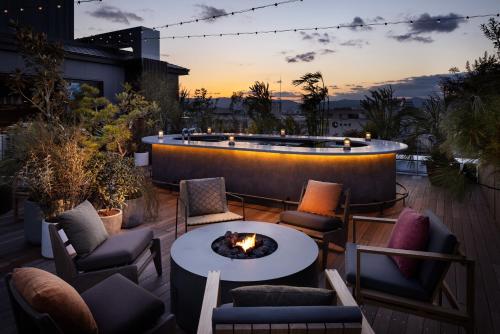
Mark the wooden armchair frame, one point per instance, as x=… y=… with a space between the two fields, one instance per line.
x=64 y=258
x=182 y=207
x=434 y=310
x=338 y=237
x=211 y=300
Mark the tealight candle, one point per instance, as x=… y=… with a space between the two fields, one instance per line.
x=209 y=131
x=231 y=140
x=160 y=134
x=368 y=136
x=347 y=144
x=282 y=132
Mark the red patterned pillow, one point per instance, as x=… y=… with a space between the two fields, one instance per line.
x=411 y=232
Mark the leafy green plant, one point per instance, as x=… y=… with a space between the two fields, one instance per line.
x=115 y=180
x=41 y=82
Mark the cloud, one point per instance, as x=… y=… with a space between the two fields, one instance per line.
x=418 y=86
x=323 y=38
x=411 y=37
x=302 y=57
x=358 y=43
x=115 y=14
x=326 y=51
x=211 y=12
x=427 y=24
x=359 y=24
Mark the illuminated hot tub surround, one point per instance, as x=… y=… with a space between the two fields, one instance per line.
x=276 y=166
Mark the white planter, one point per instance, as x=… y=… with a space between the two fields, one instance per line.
x=46 y=243
x=141 y=159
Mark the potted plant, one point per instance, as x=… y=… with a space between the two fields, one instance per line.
x=57 y=178
x=115 y=179
x=142 y=205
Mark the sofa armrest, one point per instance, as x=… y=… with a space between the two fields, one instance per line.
x=86 y=280
x=211 y=299
x=367 y=219
x=345 y=298
x=411 y=253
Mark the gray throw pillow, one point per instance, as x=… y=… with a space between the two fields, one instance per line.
x=206 y=196
x=277 y=295
x=84 y=228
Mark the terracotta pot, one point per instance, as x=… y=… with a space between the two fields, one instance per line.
x=133 y=212
x=112 y=220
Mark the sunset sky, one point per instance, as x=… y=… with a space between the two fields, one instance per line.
x=351 y=60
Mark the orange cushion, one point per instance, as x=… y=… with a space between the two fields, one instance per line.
x=321 y=198
x=47 y=293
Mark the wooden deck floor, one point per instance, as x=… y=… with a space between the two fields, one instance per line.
x=468 y=219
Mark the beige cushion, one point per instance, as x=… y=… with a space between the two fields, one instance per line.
x=213 y=218
x=47 y=293
x=321 y=198
x=206 y=196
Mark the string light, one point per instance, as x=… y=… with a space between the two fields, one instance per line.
x=348 y=26
x=213 y=17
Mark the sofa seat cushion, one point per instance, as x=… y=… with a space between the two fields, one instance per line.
x=47 y=293
x=117 y=250
x=84 y=228
x=214 y=218
x=311 y=221
x=380 y=273
x=120 y=306
x=281 y=295
x=287 y=315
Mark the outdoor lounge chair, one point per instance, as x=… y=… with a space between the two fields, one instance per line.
x=345 y=317
x=204 y=201
x=116 y=304
x=324 y=228
x=124 y=253
x=377 y=279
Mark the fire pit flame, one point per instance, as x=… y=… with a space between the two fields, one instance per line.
x=247 y=243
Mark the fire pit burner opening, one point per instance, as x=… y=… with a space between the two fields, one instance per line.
x=244 y=245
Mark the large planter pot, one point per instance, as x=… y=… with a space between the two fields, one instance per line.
x=46 y=242
x=141 y=159
x=112 y=220
x=133 y=212
x=33 y=217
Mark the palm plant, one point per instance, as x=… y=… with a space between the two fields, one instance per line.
x=315 y=102
x=259 y=106
x=388 y=118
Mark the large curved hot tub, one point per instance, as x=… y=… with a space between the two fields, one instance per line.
x=278 y=166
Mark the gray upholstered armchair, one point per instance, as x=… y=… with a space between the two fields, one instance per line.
x=376 y=278
x=127 y=253
x=117 y=305
x=204 y=201
x=344 y=316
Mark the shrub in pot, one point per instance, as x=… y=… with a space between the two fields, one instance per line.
x=115 y=179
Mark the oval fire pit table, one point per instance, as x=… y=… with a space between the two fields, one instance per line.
x=293 y=262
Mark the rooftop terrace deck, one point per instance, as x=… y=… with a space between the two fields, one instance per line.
x=477 y=231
